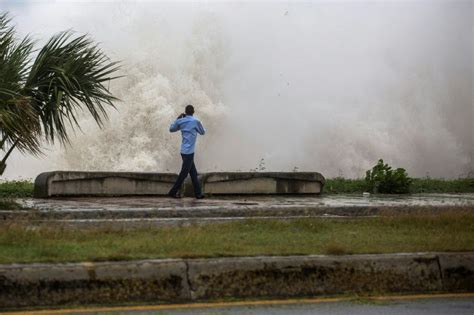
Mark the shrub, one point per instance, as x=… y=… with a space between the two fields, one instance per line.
x=16 y=189
x=339 y=185
x=383 y=179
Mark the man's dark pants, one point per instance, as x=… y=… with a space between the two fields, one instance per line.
x=188 y=167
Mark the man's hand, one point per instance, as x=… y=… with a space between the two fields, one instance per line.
x=182 y=116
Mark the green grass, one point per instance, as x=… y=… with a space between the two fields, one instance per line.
x=341 y=185
x=9 y=190
x=429 y=185
x=449 y=231
x=16 y=189
x=9 y=204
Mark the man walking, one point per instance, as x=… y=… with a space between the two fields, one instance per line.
x=189 y=127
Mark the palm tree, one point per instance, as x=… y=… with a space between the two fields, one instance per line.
x=40 y=97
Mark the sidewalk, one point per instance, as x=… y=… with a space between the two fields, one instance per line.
x=139 y=211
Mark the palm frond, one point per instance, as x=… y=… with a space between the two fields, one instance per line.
x=20 y=126
x=70 y=73
x=44 y=96
x=19 y=123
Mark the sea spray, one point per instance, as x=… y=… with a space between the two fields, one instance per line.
x=330 y=87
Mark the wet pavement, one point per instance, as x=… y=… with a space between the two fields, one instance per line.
x=239 y=202
x=139 y=211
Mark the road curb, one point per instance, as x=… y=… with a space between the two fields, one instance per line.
x=179 y=280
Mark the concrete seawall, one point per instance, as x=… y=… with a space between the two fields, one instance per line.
x=264 y=183
x=66 y=183
x=172 y=280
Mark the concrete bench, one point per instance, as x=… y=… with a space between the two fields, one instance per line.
x=65 y=183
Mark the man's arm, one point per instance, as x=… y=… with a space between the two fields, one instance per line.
x=200 y=128
x=174 y=126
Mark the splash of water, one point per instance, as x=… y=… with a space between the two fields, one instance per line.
x=152 y=95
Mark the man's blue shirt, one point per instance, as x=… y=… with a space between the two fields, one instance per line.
x=189 y=127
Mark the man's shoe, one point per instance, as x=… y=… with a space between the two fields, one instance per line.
x=200 y=197
x=177 y=196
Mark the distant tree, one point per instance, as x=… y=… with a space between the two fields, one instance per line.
x=40 y=97
x=383 y=179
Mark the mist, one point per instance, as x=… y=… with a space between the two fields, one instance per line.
x=308 y=86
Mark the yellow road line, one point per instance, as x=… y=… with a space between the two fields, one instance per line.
x=239 y=303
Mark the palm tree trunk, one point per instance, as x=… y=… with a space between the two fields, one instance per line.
x=3 y=164
x=2 y=143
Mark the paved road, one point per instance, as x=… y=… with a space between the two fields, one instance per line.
x=419 y=307
x=459 y=305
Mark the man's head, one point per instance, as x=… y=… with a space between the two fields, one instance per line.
x=189 y=110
